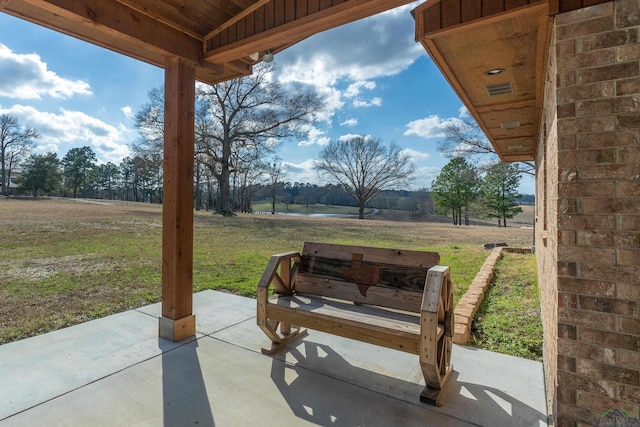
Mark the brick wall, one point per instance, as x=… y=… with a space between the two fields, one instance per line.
x=592 y=187
x=546 y=227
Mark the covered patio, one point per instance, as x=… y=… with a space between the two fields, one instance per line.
x=115 y=371
x=555 y=81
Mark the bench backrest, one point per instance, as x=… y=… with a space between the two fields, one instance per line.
x=393 y=278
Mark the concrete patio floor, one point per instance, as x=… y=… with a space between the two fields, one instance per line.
x=115 y=371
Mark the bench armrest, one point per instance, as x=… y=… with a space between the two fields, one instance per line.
x=283 y=282
x=433 y=288
x=270 y=271
x=437 y=299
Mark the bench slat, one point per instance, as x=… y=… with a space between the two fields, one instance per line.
x=381 y=327
x=376 y=295
x=373 y=255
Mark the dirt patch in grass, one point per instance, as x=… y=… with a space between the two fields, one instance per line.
x=63 y=262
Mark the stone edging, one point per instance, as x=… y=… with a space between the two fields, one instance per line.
x=466 y=308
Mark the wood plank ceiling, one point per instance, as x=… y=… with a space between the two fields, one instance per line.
x=224 y=38
x=494 y=55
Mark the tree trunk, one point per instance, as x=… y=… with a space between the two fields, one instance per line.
x=198 y=193
x=3 y=177
x=361 y=209
x=8 y=176
x=224 y=203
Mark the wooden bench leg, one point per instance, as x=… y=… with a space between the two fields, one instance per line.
x=285 y=328
x=432 y=395
x=296 y=333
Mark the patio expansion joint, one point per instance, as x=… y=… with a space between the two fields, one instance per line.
x=178 y=345
x=211 y=334
x=138 y=310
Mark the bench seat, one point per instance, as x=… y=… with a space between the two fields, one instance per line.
x=384 y=327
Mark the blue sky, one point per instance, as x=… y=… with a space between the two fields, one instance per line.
x=376 y=80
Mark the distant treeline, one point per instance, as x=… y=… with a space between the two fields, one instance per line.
x=418 y=202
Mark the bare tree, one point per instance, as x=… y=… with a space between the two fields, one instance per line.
x=275 y=172
x=150 y=147
x=236 y=124
x=16 y=141
x=237 y=118
x=464 y=138
x=150 y=123
x=364 y=167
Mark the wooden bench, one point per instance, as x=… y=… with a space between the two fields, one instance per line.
x=389 y=297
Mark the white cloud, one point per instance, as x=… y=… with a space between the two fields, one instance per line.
x=71 y=129
x=375 y=102
x=414 y=155
x=381 y=45
x=350 y=122
x=124 y=129
x=430 y=127
x=315 y=136
x=424 y=176
x=25 y=76
x=354 y=89
x=302 y=172
x=128 y=112
x=352 y=56
x=349 y=136
x=463 y=112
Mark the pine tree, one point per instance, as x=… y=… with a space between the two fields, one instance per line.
x=500 y=191
x=456 y=188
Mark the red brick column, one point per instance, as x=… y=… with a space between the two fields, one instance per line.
x=598 y=212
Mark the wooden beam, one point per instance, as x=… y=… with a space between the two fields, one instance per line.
x=240 y=67
x=242 y=4
x=122 y=23
x=257 y=5
x=4 y=3
x=301 y=28
x=160 y=18
x=177 y=204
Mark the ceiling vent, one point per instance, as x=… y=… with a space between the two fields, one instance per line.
x=505 y=88
x=510 y=125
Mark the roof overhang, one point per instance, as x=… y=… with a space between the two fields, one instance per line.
x=494 y=62
x=224 y=38
x=494 y=55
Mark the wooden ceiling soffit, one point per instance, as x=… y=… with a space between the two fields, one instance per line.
x=121 y=24
x=124 y=26
x=276 y=23
x=467 y=38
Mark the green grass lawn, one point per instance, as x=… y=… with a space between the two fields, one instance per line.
x=63 y=263
x=265 y=206
x=508 y=320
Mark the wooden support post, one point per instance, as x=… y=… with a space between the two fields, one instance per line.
x=178 y=321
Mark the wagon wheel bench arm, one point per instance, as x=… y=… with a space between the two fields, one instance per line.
x=280 y=271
